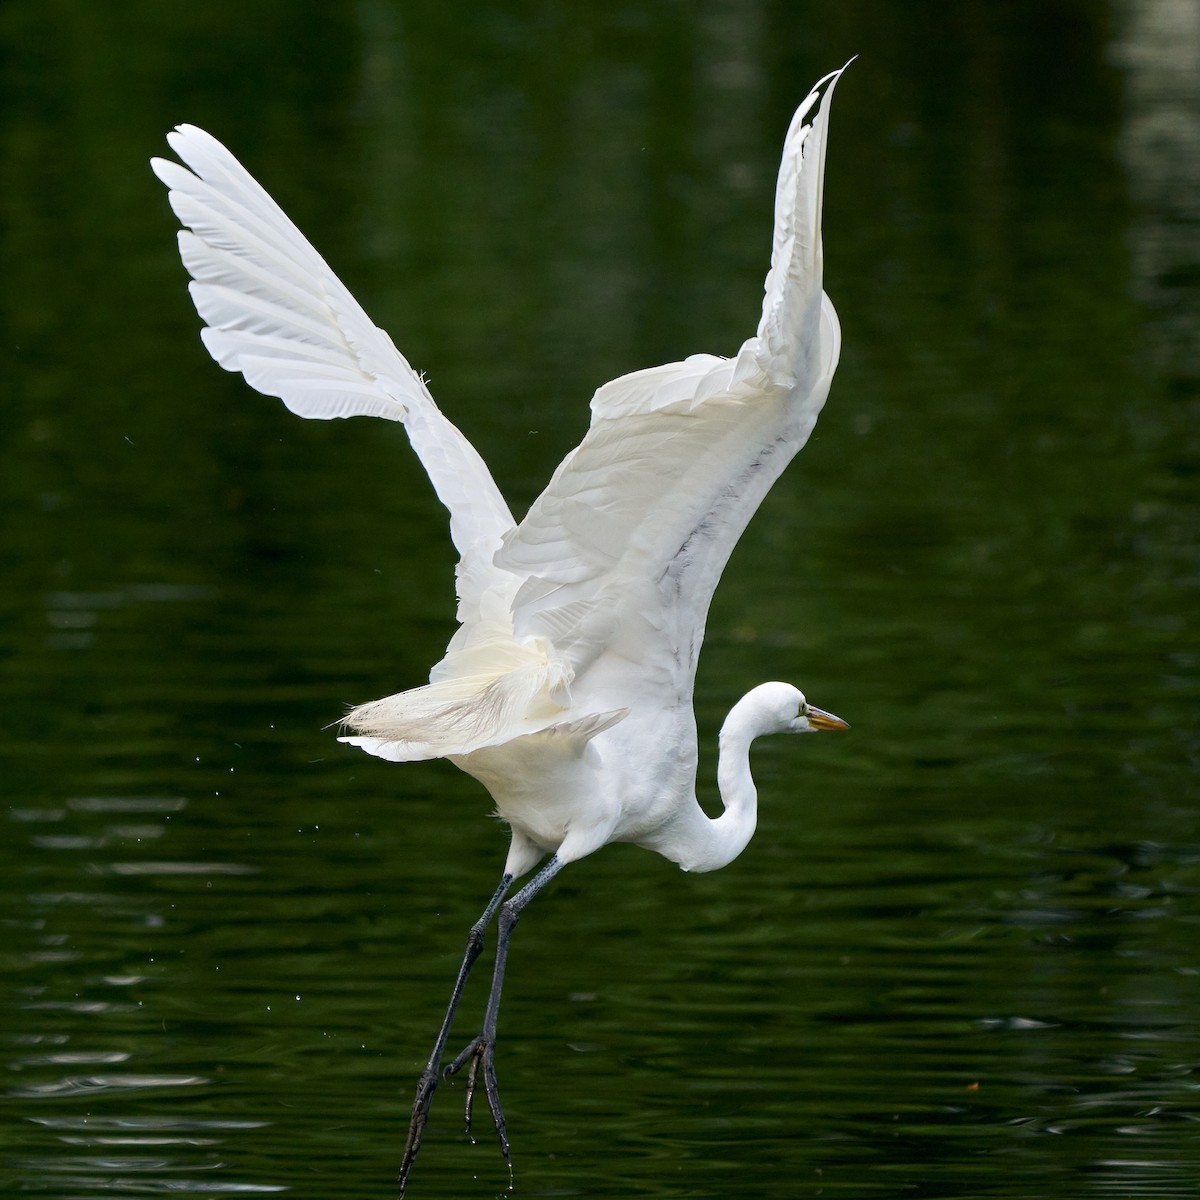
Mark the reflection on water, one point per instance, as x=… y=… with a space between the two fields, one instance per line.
x=1160 y=144
x=959 y=959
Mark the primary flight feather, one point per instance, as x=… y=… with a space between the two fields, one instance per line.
x=567 y=688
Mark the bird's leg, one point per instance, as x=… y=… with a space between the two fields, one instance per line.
x=430 y=1076
x=482 y=1049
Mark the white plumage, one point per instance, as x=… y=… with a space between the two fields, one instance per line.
x=567 y=689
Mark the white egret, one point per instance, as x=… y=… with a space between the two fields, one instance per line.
x=567 y=688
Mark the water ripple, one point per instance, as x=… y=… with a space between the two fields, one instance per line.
x=140 y=1186
x=178 y=1124
x=77 y=1085
x=74 y=1058
x=127 y=804
x=177 y=868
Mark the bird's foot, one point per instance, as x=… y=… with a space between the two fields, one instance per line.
x=422 y=1102
x=480 y=1054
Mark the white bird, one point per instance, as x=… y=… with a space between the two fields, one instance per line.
x=567 y=688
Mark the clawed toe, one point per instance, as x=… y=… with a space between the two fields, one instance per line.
x=471 y=1054
x=480 y=1052
x=426 y=1086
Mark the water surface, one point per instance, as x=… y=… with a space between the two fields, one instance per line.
x=959 y=959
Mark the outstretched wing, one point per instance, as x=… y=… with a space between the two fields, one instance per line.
x=275 y=312
x=622 y=551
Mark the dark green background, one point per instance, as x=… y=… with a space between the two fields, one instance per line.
x=960 y=957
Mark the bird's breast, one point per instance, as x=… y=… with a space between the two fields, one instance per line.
x=625 y=782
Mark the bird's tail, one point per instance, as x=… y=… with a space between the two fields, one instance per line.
x=488 y=689
x=451 y=717
x=434 y=722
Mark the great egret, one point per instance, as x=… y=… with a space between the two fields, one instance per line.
x=567 y=689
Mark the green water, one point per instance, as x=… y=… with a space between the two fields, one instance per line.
x=960 y=958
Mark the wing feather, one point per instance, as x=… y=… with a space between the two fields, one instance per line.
x=275 y=311
x=785 y=340
x=621 y=553
x=614 y=566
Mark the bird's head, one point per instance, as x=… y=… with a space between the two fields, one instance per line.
x=782 y=708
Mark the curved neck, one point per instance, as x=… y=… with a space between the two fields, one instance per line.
x=705 y=843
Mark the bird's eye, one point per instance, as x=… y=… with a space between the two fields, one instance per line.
x=803 y=709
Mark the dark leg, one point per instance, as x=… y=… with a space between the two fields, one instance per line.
x=428 y=1082
x=481 y=1051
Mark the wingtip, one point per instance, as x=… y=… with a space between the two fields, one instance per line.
x=824 y=86
x=186 y=130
